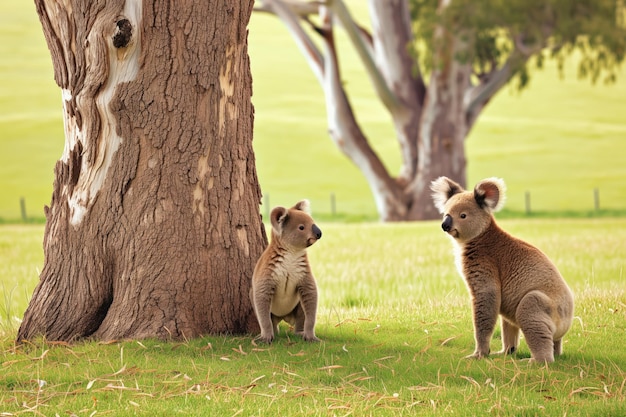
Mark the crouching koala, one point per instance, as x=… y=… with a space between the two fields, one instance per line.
x=283 y=286
x=504 y=275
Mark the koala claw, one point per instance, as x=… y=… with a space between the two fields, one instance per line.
x=508 y=351
x=308 y=337
x=544 y=361
x=265 y=339
x=312 y=339
x=477 y=355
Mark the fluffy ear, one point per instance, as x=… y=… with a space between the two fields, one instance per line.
x=443 y=188
x=278 y=217
x=304 y=206
x=490 y=193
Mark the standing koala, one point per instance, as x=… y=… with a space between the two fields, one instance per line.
x=504 y=275
x=283 y=287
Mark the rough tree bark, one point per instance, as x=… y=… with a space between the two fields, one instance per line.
x=431 y=121
x=154 y=226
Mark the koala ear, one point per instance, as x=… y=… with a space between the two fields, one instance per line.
x=490 y=193
x=443 y=188
x=278 y=217
x=304 y=206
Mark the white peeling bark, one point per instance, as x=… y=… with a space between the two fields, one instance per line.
x=347 y=134
x=90 y=127
x=392 y=34
x=366 y=54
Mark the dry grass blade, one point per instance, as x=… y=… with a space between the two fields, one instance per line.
x=40 y=357
x=471 y=380
x=329 y=367
x=111 y=387
x=240 y=350
x=444 y=342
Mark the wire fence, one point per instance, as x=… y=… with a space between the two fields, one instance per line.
x=330 y=209
x=337 y=208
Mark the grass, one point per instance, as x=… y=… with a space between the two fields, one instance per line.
x=395 y=322
x=558 y=140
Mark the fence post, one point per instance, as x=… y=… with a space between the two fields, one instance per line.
x=23 y=208
x=527 y=199
x=596 y=199
x=333 y=205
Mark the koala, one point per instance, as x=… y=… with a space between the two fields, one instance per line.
x=283 y=286
x=505 y=275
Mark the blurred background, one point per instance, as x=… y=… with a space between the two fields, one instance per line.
x=559 y=144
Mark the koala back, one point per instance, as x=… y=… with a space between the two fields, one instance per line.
x=517 y=266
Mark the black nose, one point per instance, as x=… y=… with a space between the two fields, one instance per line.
x=447 y=223
x=317 y=232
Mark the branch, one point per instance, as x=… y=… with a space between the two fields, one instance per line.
x=301 y=9
x=343 y=127
x=345 y=131
x=365 y=52
x=524 y=49
x=477 y=97
x=284 y=10
x=392 y=34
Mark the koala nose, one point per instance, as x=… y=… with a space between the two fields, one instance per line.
x=447 y=223
x=317 y=232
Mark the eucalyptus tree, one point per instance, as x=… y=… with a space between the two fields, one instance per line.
x=154 y=227
x=435 y=65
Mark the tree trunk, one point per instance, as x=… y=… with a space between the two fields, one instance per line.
x=154 y=226
x=444 y=126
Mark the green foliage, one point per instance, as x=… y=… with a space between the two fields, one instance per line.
x=395 y=322
x=499 y=30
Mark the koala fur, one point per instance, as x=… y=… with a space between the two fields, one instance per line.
x=504 y=275
x=283 y=286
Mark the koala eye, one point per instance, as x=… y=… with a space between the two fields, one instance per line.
x=301 y=227
x=463 y=215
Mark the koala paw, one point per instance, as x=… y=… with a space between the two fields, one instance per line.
x=309 y=337
x=542 y=361
x=267 y=339
x=477 y=355
x=508 y=351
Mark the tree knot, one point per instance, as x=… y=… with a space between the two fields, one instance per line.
x=123 y=33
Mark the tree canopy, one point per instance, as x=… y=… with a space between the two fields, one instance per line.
x=500 y=33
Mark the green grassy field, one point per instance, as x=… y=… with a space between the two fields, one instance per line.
x=395 y=322
x=558 y=140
